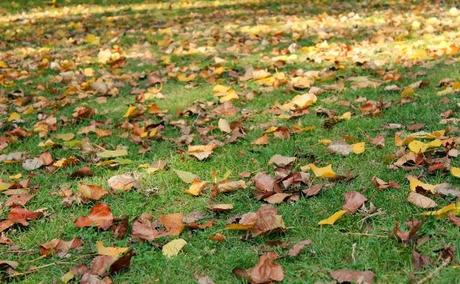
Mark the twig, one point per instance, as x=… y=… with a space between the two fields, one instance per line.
x=434 y=272
x=34 y=269
x=365 y=234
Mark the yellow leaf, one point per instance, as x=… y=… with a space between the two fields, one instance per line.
x=92 y=39
x=109 y=251
x=196 y=188
x=184 y=78
x=16 y=176
x=303 y=101
x=446 y=210
x=455 y=171
x=14 y=116
x=325 y=141
x=407 y=92
x=345 y=116
x=414 y=183
x=132 y=110
x=5 y=186
x=3 y=64
x=173 y=247
x=420 y=147
x=326 y=172
x=333 y=218
x=358 y=148
x=48 y=143
x=239 y=227
x=67 y=277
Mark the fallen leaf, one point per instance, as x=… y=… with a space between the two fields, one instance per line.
x=110 y=251
x=196 y=187
x=221 y=207
x=100 y=216
x=444 y=211
x=173 y=223
x=325 y=172
x=173 y=247
x=408 y=236
x=59 y=247
x=421 y=201
x=353 y=276
x=416 y=184
x=353 y=201
x=298 y=247
x=281 y=161
x=186 y=177
x=419 y=261
x=266 y=270
x=122 y=182
x=201 y=152
x=333 y=218
x=224 y=126
x=229 y=186
x=262 y=140
x=91 y=192
x=454 y=171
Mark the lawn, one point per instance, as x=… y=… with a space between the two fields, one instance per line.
x=102 y=103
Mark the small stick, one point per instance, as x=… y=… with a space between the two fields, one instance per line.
x=434 y=272
x=366 y=234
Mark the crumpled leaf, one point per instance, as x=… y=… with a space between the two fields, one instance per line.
x=419 y=261
x=266 y=270
x=416 y=184
x=201 y=152
x=333 y=218
x=353 y=201
x=110 y=251
x=281 y=161
x=407 y=236
x=196 y=187
x=353 y=276
x=123 y=182
x=100 y=216
x=173 y=247
x=91 y=192
x=264 y=221
x=32 y=164
x=381 y=184
x=60 y=247
x=298 y=247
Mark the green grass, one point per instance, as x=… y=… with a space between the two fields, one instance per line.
x=331 y=249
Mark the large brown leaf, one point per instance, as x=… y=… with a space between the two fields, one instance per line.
x=100 y=216
x=266 y=270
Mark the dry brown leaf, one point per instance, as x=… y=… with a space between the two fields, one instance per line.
x=298 y=247
x=353 y=201
x=353 y=276
x=420 y=200
x=91 y=192
x=266 y=270
x=123 y=182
